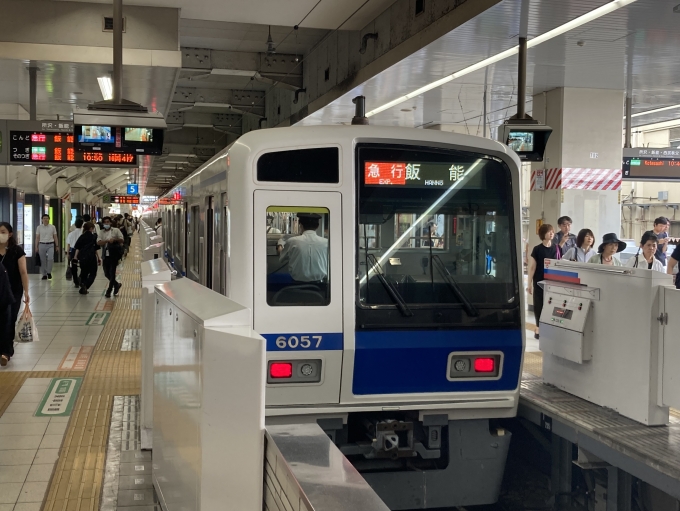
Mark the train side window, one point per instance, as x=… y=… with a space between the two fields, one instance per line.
x=298 y=256
x=319 y=165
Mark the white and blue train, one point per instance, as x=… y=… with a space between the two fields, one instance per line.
x=404 y=341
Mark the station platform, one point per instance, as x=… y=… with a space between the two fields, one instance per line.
x=651 y=454
x=85 y=455
x=54 y=452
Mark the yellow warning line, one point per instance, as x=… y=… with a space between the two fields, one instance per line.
x=78 y=476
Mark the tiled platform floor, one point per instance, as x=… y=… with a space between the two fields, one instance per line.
x=57 y=463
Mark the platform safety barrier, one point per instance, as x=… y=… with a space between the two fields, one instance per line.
x=155 y=271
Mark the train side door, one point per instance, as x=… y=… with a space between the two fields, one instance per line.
x=298 y=294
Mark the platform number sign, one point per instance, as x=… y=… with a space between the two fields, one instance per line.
x=132 y=189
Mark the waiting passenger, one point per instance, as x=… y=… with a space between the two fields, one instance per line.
x=88 y=218
x=46 y=245
x=611 y=245
x=306 y=254
x=545 y=250
x=6 y=302
x=648 y=246
x=564 y=238
x=583 y=250
x=661 y=225
x=71 y=250
x=270 y=226
x=13 y=258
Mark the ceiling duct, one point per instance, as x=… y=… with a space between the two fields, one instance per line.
x=54 y=171
x=80 y=174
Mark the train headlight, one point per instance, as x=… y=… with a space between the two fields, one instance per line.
x=307 y=369
x=462 y=365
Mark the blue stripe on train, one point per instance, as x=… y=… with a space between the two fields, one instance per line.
x=407 y=362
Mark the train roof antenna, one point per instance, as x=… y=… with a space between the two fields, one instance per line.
x=360 y=112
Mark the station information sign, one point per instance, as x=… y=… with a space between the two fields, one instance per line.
x=50 y=148
x=121 y=199
x=644 y=164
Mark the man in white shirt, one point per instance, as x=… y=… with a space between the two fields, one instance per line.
x=70 y=249
x=46 y=242
x=112 y=241
x=306 y=254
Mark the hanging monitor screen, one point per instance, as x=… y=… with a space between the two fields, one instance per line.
x=118 y=139
x=520 y=141
x=96 y=134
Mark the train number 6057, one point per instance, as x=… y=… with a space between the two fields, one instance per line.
x=293 y=342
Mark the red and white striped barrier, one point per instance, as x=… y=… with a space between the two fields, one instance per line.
x=577 y=179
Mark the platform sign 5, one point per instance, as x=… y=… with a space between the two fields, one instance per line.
x=132 y=189
x=59 y=398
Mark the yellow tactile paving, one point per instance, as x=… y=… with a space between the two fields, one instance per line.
x=533 y=363
x=77 y=479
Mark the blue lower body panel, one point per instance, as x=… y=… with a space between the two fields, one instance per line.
x=407 y=362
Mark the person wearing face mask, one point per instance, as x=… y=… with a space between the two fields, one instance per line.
x=583 y=250
x=647 y=258
x=611 y=245
x=544 y=250
x=13 y=258
x=111 y=241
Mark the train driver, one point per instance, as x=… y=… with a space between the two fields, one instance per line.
x=306 y=254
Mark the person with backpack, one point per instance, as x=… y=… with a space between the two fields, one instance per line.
x=86 y=254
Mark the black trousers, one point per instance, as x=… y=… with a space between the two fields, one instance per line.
x=6 y=331
x=74 y=271
x=110 y=265
x=88 y=272
x=538 y=302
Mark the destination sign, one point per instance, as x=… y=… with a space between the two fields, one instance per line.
x=643 y=168
x=57 y=148
x=121 y=199
x=415 y=175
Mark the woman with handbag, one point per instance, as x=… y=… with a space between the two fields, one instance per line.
x=111 y=242
x=13 y=258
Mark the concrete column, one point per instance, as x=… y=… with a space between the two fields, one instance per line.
x=582 y=165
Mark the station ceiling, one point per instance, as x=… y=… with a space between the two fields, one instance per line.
x=632 y=48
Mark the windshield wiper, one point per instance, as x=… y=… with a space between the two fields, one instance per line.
x=394 y=294
x=467 y=305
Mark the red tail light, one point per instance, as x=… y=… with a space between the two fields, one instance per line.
x=485 y=365
x=281 y=370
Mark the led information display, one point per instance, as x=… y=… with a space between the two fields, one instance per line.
x=50 y=148
x=651 y=168
x=415 y=175
x=121 y=199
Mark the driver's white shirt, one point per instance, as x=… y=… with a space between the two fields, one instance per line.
x=307 y=257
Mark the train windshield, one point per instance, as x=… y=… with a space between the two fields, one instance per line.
x=435 y=233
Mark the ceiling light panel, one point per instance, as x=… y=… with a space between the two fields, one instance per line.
x=531 y=43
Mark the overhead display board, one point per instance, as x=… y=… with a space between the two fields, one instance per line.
x=648 y=164
x=53 y=143
x=118 y=132
x=121 y=199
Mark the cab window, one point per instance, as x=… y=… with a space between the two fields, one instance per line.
x=298 y=256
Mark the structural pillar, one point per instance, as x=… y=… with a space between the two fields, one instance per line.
x=580 y=176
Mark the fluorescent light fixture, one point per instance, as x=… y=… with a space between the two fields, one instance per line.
x=657 y=126
x=654 y=111
x=106 y=86
x=551 y=34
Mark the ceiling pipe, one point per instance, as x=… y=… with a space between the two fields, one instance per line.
x=117 y=52
x=80 y=174
x=629 y=122
x=55 y=171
